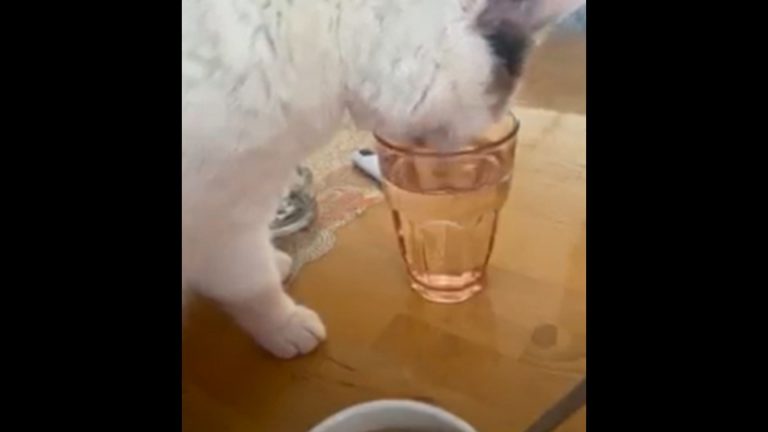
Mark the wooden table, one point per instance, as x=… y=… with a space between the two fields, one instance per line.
x=497 y=360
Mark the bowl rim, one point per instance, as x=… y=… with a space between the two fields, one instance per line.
x=362 y=408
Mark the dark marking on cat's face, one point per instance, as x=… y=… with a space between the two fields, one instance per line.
x=501 y=86
x=510 y=46
x=509 y=42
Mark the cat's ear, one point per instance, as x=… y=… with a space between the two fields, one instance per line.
x=530 y=15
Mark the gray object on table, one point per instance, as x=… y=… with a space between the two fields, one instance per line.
x=562 y=410
x=298 y=208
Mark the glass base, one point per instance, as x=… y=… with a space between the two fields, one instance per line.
x=447 y=296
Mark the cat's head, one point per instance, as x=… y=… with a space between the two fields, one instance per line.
x=440 y=71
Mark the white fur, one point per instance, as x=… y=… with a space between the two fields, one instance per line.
x=264 y=82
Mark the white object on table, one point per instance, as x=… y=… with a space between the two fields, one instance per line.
x=368 y=162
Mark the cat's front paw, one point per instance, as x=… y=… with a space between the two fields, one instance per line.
x=299 y=334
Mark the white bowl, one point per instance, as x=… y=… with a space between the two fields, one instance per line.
x=383 y=414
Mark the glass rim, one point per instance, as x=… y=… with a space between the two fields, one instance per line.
x=436 y=153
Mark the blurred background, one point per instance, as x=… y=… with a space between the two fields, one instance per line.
x=577 y=21
x=556 y=75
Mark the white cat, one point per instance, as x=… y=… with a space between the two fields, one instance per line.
x=264 y=82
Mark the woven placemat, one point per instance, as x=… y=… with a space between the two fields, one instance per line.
x=342 y=194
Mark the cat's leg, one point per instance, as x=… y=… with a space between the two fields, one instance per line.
x=184 y=298
x=243 y=276
x=284 y=263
